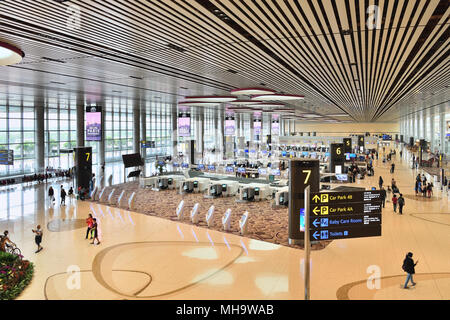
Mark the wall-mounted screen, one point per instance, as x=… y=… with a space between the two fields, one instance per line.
x=230 y=125
x=201 y=166
x=257 y=127
x=276 y=127
x=229 y=169
x=276 y=172
x=184 y=125
x=93 y=121
x=241 y=170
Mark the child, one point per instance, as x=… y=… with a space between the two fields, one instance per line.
x=94 y=230
x=38 y=237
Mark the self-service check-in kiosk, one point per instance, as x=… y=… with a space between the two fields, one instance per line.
x=282 y=197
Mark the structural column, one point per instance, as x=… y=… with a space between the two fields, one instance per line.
x=80 y=120
x=174 y=131
x=442 y=128
x=102 y=142
x=39 y=127
x=432 y=128
x=143 y=131
x=136 y=128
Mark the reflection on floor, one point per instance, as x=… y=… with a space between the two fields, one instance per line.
x=145 y=257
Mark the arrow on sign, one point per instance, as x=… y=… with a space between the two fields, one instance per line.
x=316 y=198
x=316 y=210
x=316 y=222
x=316 y=234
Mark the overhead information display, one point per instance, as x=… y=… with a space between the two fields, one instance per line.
x=7 y=157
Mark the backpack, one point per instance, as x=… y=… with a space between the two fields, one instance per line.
x=404 y=265
x=401 y=201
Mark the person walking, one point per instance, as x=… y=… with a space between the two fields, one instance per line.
x=38 y=238
x=95 y=231
x=51 y=194
x=401 y=203
x=383 y=196
x=392 y=167
x=90 y=223
x=380 y=182
x=394 y=202
x=409 y=268
x=416 y=187
x=63 y=196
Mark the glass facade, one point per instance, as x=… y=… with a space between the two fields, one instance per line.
x=17 y=134
x=60 y=123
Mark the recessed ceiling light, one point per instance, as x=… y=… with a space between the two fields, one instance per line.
x=175 y=47
x=211 y=98
x=134 y=77
x=245 y=102
x=53 y=60
x=10 y=54
x=198 y=103
x=311 y=115
x=56 y=82
x=251 y=91
x=268 y=105
x=232 y=71
x=277 y=96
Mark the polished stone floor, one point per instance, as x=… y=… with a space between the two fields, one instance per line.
x=144 y=257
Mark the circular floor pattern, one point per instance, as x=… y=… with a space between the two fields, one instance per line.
x=66 y=225
x=421 y=198
x=104 y=259
x=364 y=293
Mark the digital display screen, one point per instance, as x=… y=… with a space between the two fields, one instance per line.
x=387 y=137
x=275 y=127
x=302 y=219
x=262 y=171
x=185 y=165
x=352 y=155
x=305 y=153
x=161 y=163
x=176 y=165
x=7 y=157
x=230 y=126
x=93 y=124
x=229 y=169
x=342 y=177
x=241 y=170
x=211 y=168
x=184 y=125
x=257 y=125
x=283 y=153
x=276 y=172
x=201 y=167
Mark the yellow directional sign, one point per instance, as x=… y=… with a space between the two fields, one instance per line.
x=316 y=210
x=329 y=198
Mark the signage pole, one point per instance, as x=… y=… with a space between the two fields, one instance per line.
x=307 y=243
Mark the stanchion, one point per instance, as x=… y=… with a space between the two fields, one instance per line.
x=307 y=243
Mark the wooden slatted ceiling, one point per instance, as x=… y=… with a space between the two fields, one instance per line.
x=291 y=46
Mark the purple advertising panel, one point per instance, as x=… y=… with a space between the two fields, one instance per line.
x=230 y=127
x=275 y=127
x=257 y=127
x=184 y=126
x=93 y=124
